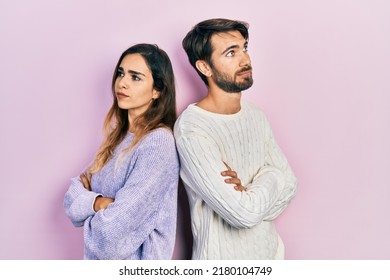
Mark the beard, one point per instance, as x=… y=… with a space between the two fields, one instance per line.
x=229 y=84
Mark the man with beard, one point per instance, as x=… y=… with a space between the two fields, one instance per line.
x=237 y=178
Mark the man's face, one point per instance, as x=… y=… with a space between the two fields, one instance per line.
x=230 y=62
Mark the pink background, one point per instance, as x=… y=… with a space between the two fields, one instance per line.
x=322 y=76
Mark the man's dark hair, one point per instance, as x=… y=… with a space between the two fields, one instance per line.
x=197 y=42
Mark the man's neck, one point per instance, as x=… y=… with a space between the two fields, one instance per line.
x=221 y=102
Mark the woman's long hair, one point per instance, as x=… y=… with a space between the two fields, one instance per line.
x=161 y=111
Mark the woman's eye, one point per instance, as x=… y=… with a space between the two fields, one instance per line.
x=119 y=73
x=135 y=78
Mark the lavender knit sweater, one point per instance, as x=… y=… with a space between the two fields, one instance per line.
x=141 y=222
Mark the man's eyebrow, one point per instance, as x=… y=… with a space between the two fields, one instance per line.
x=234 y=47
x=230 y=48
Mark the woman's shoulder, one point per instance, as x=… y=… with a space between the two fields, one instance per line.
x=158 y=136
x=160 y=132
x=157 y=144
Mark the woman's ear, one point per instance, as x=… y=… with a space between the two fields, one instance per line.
x=203 y=67
x=155 y=94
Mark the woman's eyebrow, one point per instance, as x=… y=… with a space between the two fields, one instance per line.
x=132 y=72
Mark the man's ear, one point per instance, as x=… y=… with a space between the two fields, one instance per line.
x=203 y=67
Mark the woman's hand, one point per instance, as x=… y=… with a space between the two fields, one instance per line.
x=233 y=178
x=86 y=180
x=100 y=201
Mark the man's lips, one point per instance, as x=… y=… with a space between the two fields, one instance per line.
x=245 y=71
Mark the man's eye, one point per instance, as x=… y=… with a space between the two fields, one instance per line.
x=231 y=53
x=245 y=49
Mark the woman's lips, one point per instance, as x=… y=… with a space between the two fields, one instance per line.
x=121 y=95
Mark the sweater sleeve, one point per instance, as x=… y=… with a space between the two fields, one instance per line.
x=201 y=167
x=275 y=160
x=78 y=202
x=126 y=223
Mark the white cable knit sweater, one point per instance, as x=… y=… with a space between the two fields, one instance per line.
x=228 y=224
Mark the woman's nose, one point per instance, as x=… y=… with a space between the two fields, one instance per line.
x=122 y=83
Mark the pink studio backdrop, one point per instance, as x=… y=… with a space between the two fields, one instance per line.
x=322 y=76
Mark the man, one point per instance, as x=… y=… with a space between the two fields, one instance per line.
x=237 y=179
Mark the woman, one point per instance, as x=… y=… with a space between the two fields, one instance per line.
x=127 y=198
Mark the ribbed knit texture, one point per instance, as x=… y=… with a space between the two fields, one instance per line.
x=141 y=223
x=228 y=224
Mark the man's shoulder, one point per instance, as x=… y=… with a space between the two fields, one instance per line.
x=250 y=106
x=192 y=110
x=191 y=121
x=253 y=111
x=189 y=116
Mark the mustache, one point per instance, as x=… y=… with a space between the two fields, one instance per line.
x=246 y=68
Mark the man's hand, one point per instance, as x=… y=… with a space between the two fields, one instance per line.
x=233 y=178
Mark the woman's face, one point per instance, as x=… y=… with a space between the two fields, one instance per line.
x=134 y=85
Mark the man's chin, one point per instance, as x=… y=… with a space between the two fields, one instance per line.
x=247 y=84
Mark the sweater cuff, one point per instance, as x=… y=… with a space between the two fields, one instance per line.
x=93 y=202
x=90 y=200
